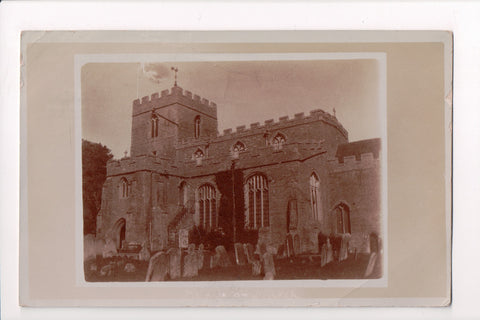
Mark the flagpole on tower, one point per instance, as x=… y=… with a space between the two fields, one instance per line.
x=175 y=70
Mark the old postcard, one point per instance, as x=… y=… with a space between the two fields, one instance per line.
x=227 y=169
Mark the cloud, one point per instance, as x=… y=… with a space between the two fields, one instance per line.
x=156 y=72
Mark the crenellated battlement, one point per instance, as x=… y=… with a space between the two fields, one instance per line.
x=299 y=118
x=269 y=125
x=174 y=95
x=355 y=162
x=132 y=164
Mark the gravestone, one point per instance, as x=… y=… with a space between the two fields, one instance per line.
x=158 y=267
x=323 y=253
x=371 y=264
x=220 y=259
x=343 y=254
x=175 y=262
x=240 y=256
x=289 y=246
x=329 y=251
x=269 y=264
x=144 y=254
x=256 y=268
x=190 y=265
x=248 y=249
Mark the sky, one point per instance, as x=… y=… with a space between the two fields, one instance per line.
x=244 y=91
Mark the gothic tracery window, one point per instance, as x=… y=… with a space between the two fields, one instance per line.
x=207 y=206
x=278 y=141
x=257 y=202
x=342 y=219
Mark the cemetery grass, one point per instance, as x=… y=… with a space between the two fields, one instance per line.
x=295 y=268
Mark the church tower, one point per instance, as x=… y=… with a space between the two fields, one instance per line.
x=162 y=121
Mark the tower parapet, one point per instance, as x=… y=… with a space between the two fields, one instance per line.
x=172 y=96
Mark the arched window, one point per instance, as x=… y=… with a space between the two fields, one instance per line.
x=278 y=141
x=342 y=218
x=257 y=202
x=315 y=200
x=239 y=146
x=197 y=127
x=154 y=125
x=182 y=195
x=124 y=188
x=207 y=206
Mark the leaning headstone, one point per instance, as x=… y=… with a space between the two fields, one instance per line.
x=158 y=267
x=248 y=249
x=220 y=259
x=329 y=251
x=343 y=254
x=269 y=264
x=175 y=262
x=130 y=267
x=371 y=264
x=256 y=268
x=240 y=254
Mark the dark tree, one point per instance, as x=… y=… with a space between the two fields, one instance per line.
x=94 y=171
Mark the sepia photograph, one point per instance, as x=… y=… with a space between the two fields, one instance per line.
x=294 y=191
x=235 y=168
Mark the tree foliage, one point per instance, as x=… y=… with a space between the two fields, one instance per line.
x=94 y=171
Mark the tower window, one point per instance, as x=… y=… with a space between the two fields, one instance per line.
x=315 y=197
x=257 y=202
x=197 y=127
x=207 y=206
x=124 y=188
x=154 y=125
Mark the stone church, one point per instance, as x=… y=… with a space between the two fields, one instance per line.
x=296 y=178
